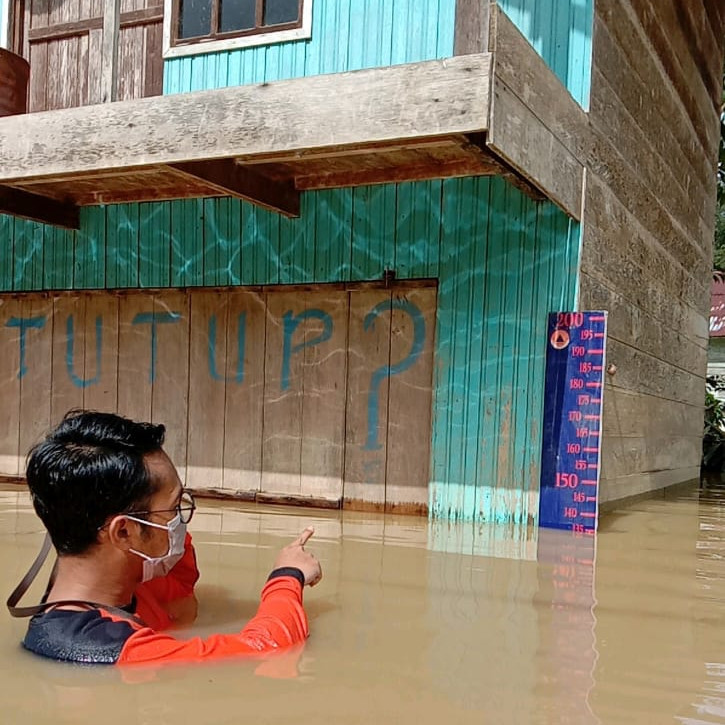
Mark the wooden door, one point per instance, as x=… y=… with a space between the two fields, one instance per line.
x=62 y=39
x=315 y=393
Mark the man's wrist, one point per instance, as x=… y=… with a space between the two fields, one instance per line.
x=292 y=571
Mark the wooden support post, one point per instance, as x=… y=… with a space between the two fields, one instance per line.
x=472 y=29
x=39 y=208
x=109 y=58
x=234 y=180
x=477 y=146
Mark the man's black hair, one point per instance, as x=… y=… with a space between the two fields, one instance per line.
x=90 y=467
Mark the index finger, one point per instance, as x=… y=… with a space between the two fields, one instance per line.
x=304 y=537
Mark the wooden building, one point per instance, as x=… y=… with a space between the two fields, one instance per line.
x=716 y=347
x=319 y=239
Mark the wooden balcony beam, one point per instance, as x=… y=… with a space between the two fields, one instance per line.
x=379 y=105
x=39 y=208
x=231 y=179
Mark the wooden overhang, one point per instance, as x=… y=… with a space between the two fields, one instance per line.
x=467 y=115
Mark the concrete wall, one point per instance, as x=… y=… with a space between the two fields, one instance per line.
x=648 y=230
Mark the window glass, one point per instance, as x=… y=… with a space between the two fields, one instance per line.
x=281 y=11
x=237 y=15
x=194 y=18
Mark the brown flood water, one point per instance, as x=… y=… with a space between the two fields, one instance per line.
x=423 y=623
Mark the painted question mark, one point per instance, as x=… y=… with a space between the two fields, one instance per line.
x=386 y=371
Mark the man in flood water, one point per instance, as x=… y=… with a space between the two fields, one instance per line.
x=116 y=512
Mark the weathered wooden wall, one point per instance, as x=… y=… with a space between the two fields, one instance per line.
x=316 y=393
x=62 y=40
x=648 y=229
x=501 y=261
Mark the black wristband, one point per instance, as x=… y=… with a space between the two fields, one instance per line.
x=288 y=571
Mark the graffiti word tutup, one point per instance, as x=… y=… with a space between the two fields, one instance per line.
x=28 y=327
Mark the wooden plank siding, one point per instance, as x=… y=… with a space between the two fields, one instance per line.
x=648 y=229
x=10 y=377
x=501 y=260
x=561 y=33
x=63 y=43
x=36 y=321
x=412 y=342
x=346 y=36
x=367 y=426
x=245 y=355
x=169 y=370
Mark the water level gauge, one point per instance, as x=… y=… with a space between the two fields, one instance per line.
x=571 y=449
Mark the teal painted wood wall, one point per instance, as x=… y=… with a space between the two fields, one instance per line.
x=502 y=262
x=346 y=35
x=561 y=32
x=352 y=34
x=3 y=10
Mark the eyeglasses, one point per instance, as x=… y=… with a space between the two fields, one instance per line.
x=185 y=509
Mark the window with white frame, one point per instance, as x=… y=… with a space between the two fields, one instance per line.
x=203 y=26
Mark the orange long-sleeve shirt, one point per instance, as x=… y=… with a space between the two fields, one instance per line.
x=113 y=636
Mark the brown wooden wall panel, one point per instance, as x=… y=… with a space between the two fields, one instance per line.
x=37 y=379
x=131 y=65
x=664 y=27
x=10 y=371
x=367 y=396
x=134 y=357
x=409 y=412
x=62 y=41
x=319 y=392
x=100 y=391
x=282 y=432
x=14 y=82
x=323 y=395
x=39 y=12
x=243 y=403
x=170 y=389
x=69 y=360
x=205 y=442
x=38 y=59
x=95 y=70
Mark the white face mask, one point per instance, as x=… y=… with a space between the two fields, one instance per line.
x=161 y=565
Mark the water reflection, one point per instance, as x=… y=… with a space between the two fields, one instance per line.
x=569 y=638
x=421 y=623
x=708 y=705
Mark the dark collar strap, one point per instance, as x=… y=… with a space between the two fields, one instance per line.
x=30 y=611
x=26 y=581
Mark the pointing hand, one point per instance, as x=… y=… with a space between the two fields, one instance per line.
x=294 y=555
